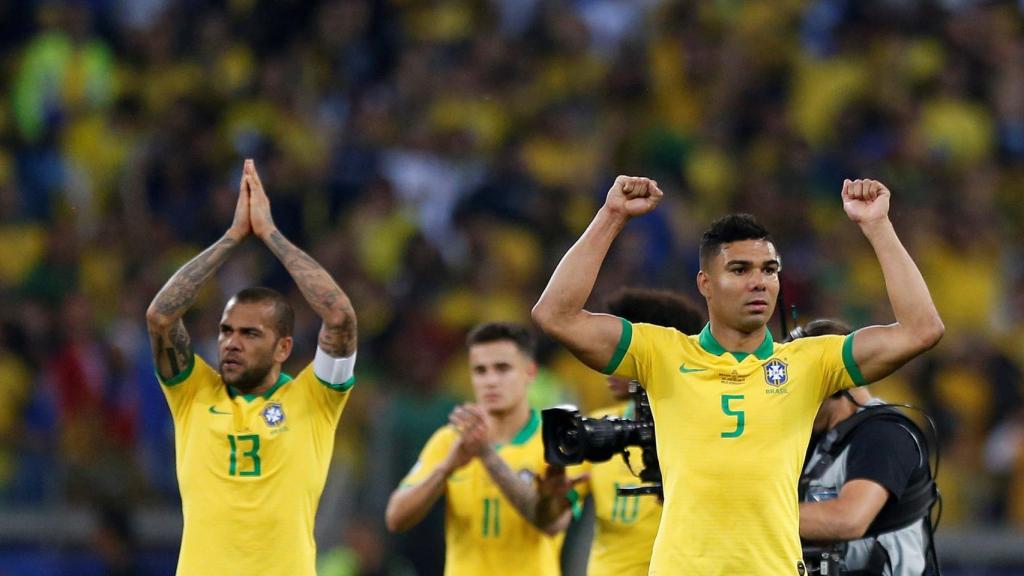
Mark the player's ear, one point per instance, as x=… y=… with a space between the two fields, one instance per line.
x=531 y=369
x=702 y=283
x=283 y=349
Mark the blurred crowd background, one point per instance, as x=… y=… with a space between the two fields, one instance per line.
x=438 y=157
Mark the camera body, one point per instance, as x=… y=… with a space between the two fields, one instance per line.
x=570 y=438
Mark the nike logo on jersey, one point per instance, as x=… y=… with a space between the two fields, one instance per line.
x=213 y=410
x=684 y=370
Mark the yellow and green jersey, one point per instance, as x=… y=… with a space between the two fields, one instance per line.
x=625 y=526
x=251 y=469
x=732 y=431
x=484 y=534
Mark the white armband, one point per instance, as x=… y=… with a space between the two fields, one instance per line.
x=333 y=370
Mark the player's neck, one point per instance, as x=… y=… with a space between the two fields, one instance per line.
x=735 y=340
x=268 y=382
x=507 y=424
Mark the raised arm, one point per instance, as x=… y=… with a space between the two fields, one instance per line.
x=559 y=312
x=880 y=350
x=171 y=345
x=338 y=332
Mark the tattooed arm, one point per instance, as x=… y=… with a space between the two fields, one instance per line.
x=172 y=347
x=338 y=333
x=523 y=494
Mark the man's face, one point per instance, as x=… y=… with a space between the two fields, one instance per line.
x=248 y=345
x=741 y=284
x=500 y=373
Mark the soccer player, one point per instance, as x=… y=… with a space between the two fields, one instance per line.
x=486 y=462
x=733 y=409
x=625 y=526
x=253 y=444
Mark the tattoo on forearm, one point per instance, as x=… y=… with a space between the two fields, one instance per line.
x=180 y=292
x=172 y=359
x=176 y=347
x=523 y=495
x=322 y=293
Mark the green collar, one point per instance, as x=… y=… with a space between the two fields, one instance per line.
x=708 y=343
x=281 y=381
x=525 y=432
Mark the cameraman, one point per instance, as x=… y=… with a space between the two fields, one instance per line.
x=866 y=489
x=625 y=526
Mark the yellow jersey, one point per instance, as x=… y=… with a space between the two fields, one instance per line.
x=251 y=469
x=732 y=432
x=625 y=526
x=484 y=534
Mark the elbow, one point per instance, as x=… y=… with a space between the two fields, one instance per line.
x=852 y=529
x=156 y=320
x=931 y=334
x=397 y=518
x=541 y=314
x=393 y=521
x=341 y=320
x=548 y=318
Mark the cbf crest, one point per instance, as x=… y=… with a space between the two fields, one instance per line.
x=776 y=372
x=273 y=414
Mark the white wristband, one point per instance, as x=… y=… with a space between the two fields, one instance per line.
x=333 y=370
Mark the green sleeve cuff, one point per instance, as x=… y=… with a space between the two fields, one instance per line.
x=620 y=350
x=574 y=500
x=850 y=363
x=181 y=376
x=343 y=387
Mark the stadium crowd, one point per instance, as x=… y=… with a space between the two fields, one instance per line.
x=438 y=157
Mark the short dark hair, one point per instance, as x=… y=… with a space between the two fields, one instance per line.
x=661 y=307
x=284 y=315
x=518 y=334
x=731 y=228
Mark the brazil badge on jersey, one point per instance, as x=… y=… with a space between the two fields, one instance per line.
x=732 y=433
x=251 y=469
x=484 y=534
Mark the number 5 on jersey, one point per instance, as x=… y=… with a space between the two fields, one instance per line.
x=729 y=411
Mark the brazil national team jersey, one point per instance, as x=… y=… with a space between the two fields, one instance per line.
x=732 y=431
x=625 y=526
x=484 y=534
x=251 y=469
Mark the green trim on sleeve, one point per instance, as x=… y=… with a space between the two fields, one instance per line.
x=179 y=377
x=850 y=363
x=577 y=505
x=620 y=351
x=343 y=387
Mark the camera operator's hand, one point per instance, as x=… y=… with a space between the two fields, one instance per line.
x=553 y=489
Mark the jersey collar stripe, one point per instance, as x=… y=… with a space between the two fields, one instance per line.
x=710 y=345
x=281 y=381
